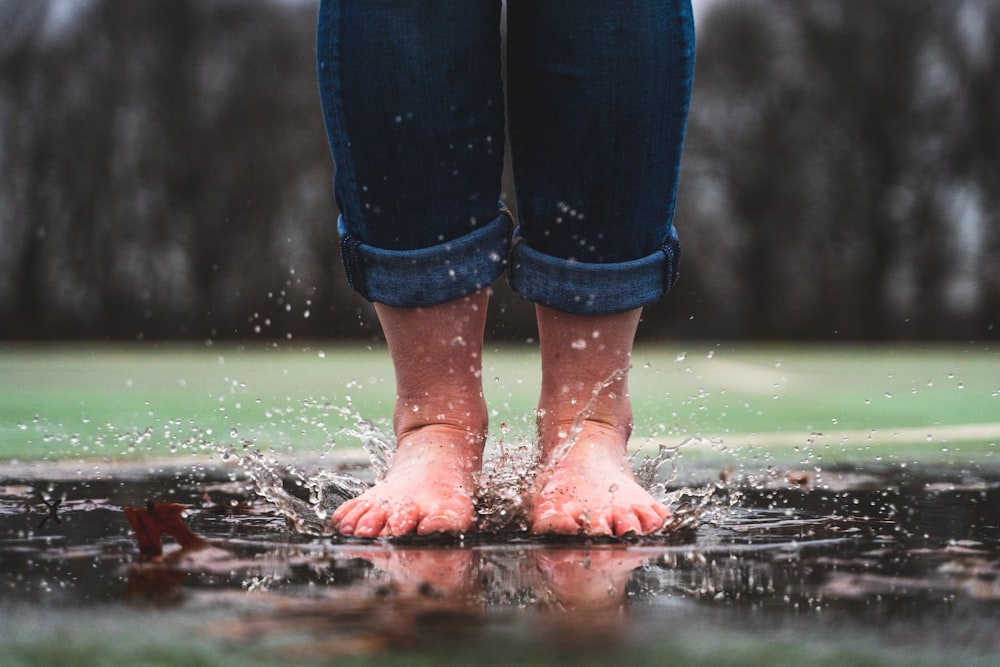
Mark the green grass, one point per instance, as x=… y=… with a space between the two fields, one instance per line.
x=128 y=401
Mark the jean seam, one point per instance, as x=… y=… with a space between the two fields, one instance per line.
x=403 y=277
x=588 y=288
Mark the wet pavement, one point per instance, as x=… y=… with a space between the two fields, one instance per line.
x=879 y=565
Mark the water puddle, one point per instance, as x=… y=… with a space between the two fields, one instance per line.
x=906 y=561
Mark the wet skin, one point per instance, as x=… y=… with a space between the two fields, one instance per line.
x=431 y=485
x=428 y=489
x=585 y=485
x=592 y=491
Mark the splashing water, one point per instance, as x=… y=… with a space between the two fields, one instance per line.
x=511 y=470
x=505 y=483
x=325 y=489
x=689 y=506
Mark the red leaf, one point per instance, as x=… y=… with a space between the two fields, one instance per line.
x=155 y=519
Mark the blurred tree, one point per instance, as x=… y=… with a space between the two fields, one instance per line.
x=171 y=174
x=970 y=106
x=841 y=161
x=165 y=174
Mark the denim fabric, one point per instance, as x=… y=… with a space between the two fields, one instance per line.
x=425 y=276
x=597 y=100
x=590 y=288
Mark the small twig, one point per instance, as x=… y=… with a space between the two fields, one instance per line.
x=53 y=507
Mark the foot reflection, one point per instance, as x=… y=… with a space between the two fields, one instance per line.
x=422 y=595
x=381 y=596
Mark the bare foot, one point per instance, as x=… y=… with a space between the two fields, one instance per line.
x=444 y=575
x=589 y=579
x=429 y=488
x=592 y=491
x=440 y=422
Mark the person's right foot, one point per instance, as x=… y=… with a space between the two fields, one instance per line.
x=429 y=488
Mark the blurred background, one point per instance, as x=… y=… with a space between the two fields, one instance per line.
x=164 y=174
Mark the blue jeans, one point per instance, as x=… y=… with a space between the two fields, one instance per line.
x=597 y=100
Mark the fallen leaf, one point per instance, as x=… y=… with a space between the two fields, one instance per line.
x=150 y=522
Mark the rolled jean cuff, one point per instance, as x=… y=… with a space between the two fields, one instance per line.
x=586 y=288
x=427 y=276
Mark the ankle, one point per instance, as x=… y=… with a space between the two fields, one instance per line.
x=440 y=447
x=455 y=420
x=609 y=429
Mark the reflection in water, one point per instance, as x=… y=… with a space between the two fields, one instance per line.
x=386 y=597
x=901 y=559
x=580 y=591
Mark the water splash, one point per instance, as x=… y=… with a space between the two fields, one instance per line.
x=504 y=485
x=511 y=469
x=268 y=483
x=379 y=445
x=325 y=490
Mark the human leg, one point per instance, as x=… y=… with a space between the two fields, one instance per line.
x=440 y=423
x=585 y=483
x=598 y=95
x=413 y=107
x=598 y=99
x=414 y=111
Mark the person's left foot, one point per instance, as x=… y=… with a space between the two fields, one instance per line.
x=592 y=491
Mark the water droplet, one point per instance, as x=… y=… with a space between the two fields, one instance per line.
x=579 y=344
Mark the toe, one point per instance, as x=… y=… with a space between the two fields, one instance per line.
x=626 y=522
x=554 y=519
x=447 y=518
x=599 y=523
x=402 y=521
x=650 y=517
x=346 y=517
x=372 y=522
